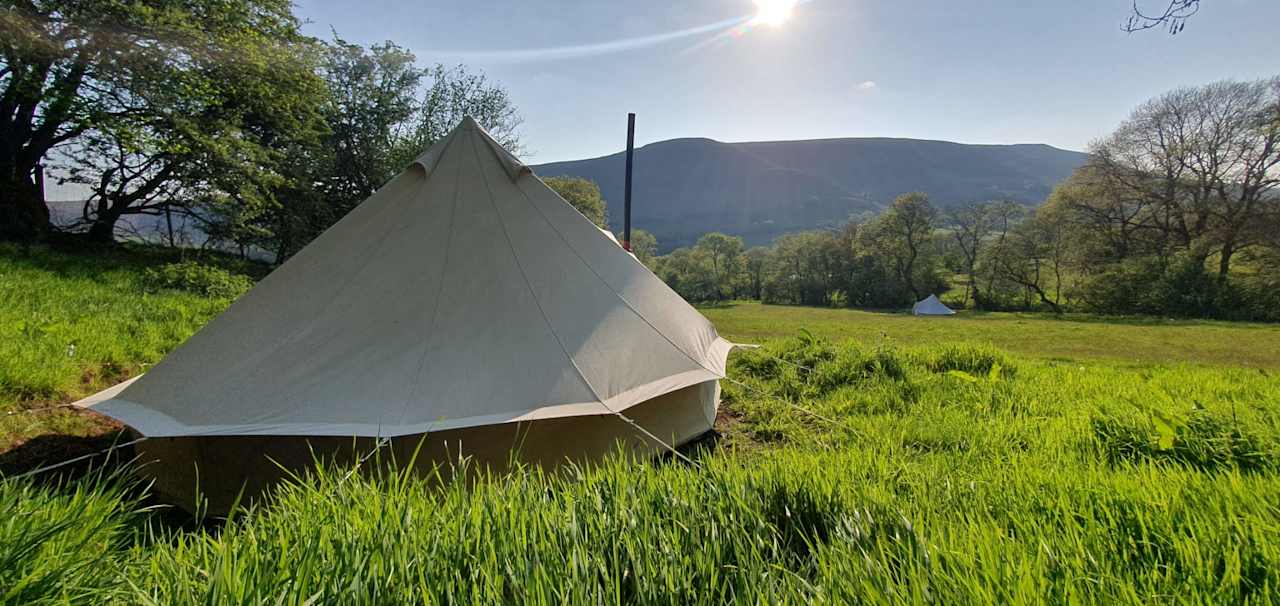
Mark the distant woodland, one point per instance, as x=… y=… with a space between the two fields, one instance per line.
x=1176 y=213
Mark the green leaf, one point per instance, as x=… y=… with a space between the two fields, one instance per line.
x=1166 y=429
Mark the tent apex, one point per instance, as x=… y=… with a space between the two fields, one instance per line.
x=469 y=127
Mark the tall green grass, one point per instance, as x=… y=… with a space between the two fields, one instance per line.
x=786 y=526
x=71 y=324
x=881 y=469
x=65 y=544
x=918 y=477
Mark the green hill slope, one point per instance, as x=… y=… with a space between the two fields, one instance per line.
x=686 y=187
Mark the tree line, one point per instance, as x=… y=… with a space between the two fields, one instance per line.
x=224 y=112
x=1176 y=213
x=221 y=111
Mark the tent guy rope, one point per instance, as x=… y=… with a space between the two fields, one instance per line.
x=42 y=409
x=91 y=455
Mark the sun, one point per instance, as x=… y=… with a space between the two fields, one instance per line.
x=773 y=12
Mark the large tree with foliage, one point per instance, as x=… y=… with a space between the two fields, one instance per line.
x=688 y=272
x=1196 y=170
x=711 y=270
x=902 y=235
x=1033 y=258
x=803 y=268
x=152 y=102
x=385 y=110
x=382 y=111
x=974 y=228
x=454 y=92
x=755 y=262
x=724 y=252
x=373 y=105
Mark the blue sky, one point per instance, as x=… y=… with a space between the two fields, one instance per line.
x=982 y=71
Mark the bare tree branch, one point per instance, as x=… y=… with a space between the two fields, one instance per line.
x=1173 y=18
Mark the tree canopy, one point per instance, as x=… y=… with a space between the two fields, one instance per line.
x=382 y=110
x=218 y=109
x=189 y=101
x=584 y=195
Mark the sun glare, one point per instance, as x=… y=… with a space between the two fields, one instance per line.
x=773 y=12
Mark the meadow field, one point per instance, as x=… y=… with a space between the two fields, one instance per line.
x=864 y=458
x=1131 y=341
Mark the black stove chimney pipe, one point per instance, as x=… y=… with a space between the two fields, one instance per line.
x=626 y=216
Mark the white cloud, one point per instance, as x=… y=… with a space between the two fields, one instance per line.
x=867 y=85
x=530 y=55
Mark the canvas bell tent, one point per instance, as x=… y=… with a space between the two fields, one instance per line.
x=931 y=306
x=464 y=301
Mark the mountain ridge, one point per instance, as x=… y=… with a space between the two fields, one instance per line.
x=687 y=186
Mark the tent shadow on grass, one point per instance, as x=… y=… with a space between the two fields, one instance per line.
x=117 y=465
x=53 y=448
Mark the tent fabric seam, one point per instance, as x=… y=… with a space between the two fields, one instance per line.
x=606 y=282
x=293 y=336
x=533 y=293
x=510 y=164
x=444 y=267
x=435 y=160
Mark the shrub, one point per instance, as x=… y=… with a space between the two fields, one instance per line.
x=805 y=366
x=1186 y=290
x=972 y=359
x=1122 y=288
x=837 y=299
x=803 y=350
x=1182 y=287
x=190 y=276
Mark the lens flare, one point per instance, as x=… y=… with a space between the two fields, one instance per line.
x=773 y=12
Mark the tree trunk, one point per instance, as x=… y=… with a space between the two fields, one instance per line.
x=1057 y=308
x=1224 y=262
x=168 y=221
x=103 y=230
x=24 y=216
x=910 y=276
x=1044 y=298
x=991 y=287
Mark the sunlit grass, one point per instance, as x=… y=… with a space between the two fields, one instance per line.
x=890 y=475
x=71 y=325
x=947 y=461
x=1134 y=341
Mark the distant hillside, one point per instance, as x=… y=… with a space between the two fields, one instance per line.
x=686 y=187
